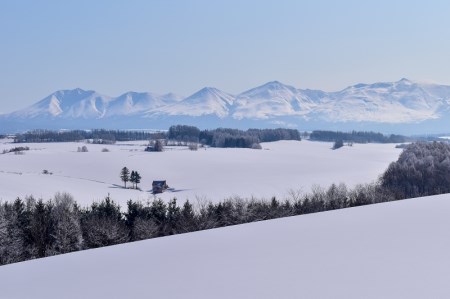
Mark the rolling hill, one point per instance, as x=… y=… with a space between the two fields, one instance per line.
x=392 y=250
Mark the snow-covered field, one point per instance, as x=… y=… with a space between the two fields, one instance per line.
x=212 y=174
x=391 y=250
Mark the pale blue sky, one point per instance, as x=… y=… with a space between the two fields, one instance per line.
x=182 y=46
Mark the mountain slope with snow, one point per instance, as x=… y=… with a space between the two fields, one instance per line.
x=392 y=250
x=272 y=99
x=397 y=102
x=76 y=103
x=404 y=105
x=207 y=101
x=132 y=103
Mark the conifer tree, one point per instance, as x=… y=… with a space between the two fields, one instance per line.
x=137 y=178
x=125 y=176
x=133 y=178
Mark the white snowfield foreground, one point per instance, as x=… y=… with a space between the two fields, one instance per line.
x=392 y=250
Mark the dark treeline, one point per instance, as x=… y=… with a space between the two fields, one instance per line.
x=33 y=228
x=221 y=137
x=97 y=136
x=224 y=137
x=356 y=137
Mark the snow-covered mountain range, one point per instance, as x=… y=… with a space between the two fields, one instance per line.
x=402 y=106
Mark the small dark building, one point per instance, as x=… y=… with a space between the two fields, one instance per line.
x=159 y=186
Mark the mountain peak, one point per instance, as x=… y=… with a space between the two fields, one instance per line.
x=405 y=82
x=211 y=92
x=208 y=89
x=275 y=85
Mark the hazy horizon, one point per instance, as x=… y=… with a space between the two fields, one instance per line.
x=182 y=46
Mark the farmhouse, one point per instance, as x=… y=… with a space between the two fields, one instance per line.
x=159 y=186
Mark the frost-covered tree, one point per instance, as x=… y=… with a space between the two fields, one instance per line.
x=41 y=228
x=173 y=217
x=187 y=222
x=67 y=232
x=103 y=225
x=145 y=228
x=3 y=234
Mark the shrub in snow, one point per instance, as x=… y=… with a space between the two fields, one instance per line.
x=338 y=144
x=82 y=149
x=155 y=146
x=193 y=146
x=256 y=146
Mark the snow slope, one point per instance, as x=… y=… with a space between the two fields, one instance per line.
x=212 y=174
x=392 y=250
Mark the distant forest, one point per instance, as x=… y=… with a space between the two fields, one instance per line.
x=357 y=137
x=98 y=136
x=221 y=137
x=31 y=228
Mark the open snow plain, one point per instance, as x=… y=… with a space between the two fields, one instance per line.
x=391 y=250
x=207 y=174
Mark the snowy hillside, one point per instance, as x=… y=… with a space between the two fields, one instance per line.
x=212 y=174
x=401 y=106
x=391 y=250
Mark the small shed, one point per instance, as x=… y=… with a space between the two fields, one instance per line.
x=159 y=186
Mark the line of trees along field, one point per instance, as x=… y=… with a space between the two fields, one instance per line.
x=357 y=137
x=98 y=136
x=33 y=228
x=221 y=137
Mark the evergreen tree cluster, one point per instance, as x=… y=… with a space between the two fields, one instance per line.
x=356 y=137
x=134 y=177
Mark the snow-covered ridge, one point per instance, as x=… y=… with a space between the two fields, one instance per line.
x=404 y=101
x=392 y=250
